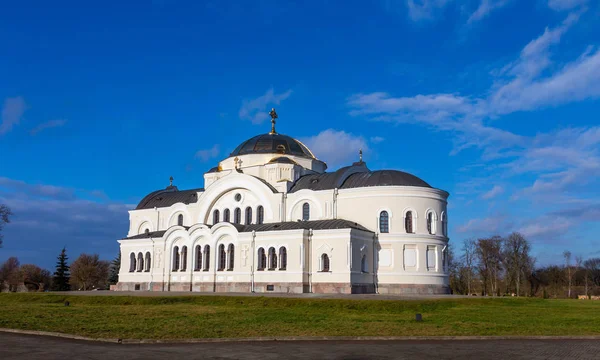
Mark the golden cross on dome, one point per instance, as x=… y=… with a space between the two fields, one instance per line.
x=274 y=116
x=360 y=153
x=171 y=181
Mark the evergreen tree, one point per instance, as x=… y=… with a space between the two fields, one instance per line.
x=115 y=265
x=60 y=282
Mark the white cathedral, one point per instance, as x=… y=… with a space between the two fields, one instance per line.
x=270 y=219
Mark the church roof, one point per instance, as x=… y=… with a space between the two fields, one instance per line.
x=328 y=181
x=280 y=226
x=306 y=225
x=273 y=144
x=169 y=196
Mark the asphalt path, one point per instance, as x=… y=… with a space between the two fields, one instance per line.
x=17 y=346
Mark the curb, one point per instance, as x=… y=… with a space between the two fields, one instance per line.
x=295 y=338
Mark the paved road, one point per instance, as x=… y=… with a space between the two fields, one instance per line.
x=14 y=346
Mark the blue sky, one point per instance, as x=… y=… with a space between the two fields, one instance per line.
x=495 y=101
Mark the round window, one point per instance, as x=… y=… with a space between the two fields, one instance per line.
x=238 y=197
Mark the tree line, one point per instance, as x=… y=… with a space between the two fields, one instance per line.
x=87 y=272
x=496 y=266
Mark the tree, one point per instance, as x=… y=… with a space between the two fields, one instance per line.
x=468 y=258
x=89 y=272
x=60 y=281
x=517 y=259
x=592 y=273
x=567 y=256
x=5 y=214
x=10 y=273
x=35 y=278
x=115 y=266
x=489 y=254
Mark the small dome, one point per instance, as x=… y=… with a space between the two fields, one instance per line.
x=273 y=144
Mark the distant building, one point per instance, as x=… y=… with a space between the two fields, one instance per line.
x=271 y=219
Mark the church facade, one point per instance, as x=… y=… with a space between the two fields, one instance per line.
x=271 y=219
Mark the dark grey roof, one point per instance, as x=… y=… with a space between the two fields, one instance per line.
x=297 y=225
x=280 y=226
x=213 y=170
x=272 y=143
x=383 y=178
x=169 y=196
x=358 y=178
x=154 y=234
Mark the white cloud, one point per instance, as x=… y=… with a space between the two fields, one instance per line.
x=376 y=139
x=48 y=125
x=336 y=147
x=257 y=110
x=424 y=9
x=208 y=154
x=485 y=226
x=518 y=86
x=560 y=5
x=485 y=8
x=495 y=191
x=12 y=112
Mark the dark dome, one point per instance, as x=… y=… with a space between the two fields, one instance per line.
x=273 y=144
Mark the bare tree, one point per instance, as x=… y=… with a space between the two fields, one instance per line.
x=489 y=254
x=592 y=273
x=468 y=258
x=567 y=256
x=516 y=259
x=5 y=214
x=35 y=278
x=89 y=272
x=10 y=273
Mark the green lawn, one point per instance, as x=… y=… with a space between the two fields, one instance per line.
x=223 y=316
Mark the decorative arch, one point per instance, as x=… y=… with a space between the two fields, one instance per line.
x=316 y=208
x=174 y=217
x=231 y=182
x=146 y=224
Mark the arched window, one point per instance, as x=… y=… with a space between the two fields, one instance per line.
x=226 y=215
x=444 y=224
x=230 y=256
x=324 y=263
x=206 y=257
x=132 y=262
x=222 y=258
x=262 y=259
x=147 y=262
x=198 y=263
x=140 y=262
x=176 y=258
x=364 y=266
x=282 y=258
x=248 y=215
x=384 y=222
x=408 y=222
x=305 y=212
x=237 y=216
x=430 y=222
x=260 y=215
x=184 y=258
x=216 y=217
x=180 y=220
x=272 y=259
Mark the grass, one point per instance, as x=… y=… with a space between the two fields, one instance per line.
x=188 y=317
